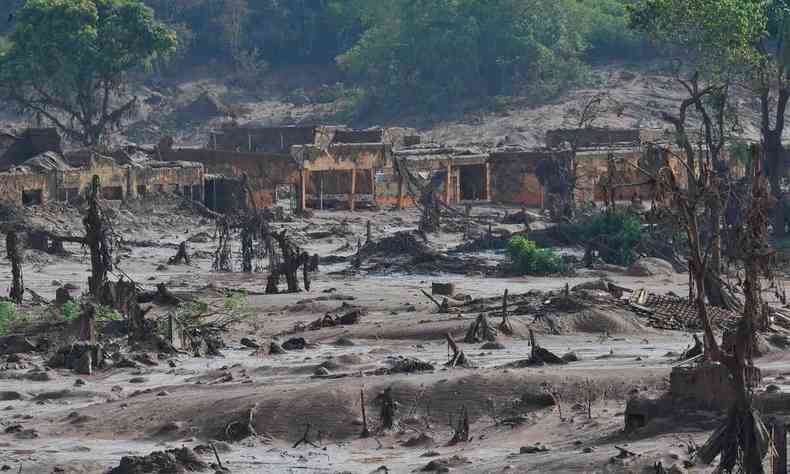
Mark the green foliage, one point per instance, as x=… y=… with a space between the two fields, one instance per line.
x=70 y=310
x=529 y=259
x=437 y=52
x=615 y=233
x=106 y=313
x=69 y=59
x=235 y=302
x=10 y=320
x=716 y=34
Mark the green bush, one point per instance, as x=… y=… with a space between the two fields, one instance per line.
x=70 y=310
x=10 y=320
x=529 y=259
x=615 y=234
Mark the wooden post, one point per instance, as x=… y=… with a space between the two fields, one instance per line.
x=400 y=192
x=352 y=196
x=321 y=191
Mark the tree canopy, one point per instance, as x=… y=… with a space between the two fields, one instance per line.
x=68 y=61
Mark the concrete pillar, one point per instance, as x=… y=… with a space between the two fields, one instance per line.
x=352 y=197
x=303 y=190
x=373 y=185
x=448 y=183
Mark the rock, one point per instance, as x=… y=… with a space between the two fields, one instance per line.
x=295 y=343
x=16 y=344
x=116 y=389
x=138 y=380
x=772 y=388
x=344 y=341
x=79 y=383
x=247 y=342
x=276 y=349
x=570 y=357
x=163 y=393
x=174 y=460
x=649 y=266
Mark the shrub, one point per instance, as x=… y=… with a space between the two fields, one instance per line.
x=616 y=234
x=70 y=310
x=529 y=259
x=10 y=320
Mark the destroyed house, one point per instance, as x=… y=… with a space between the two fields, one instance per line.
x=458 y=175
x=56 y=176
x=602 y=156
x=299 y=166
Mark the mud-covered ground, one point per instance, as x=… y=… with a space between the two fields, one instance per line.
x=68 y=423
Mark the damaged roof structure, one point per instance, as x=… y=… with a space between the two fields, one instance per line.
x=36 y=170
x=325 y=167
x=329 y=167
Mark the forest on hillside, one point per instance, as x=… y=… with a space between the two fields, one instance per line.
x=401 y=53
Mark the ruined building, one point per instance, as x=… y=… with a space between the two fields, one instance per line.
x=35 y=170
x=322 y=167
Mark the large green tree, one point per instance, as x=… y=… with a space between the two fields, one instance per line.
x=69 y=62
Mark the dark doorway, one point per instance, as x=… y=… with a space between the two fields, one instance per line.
x=222 y=194
x=473 y=182
x=32 y=197
x=112 y=193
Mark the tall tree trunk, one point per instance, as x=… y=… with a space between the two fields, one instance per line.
x=774 y=168
x=14 y=255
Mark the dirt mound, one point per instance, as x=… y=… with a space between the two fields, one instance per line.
x=645 y=267
x=171 y=461
x=599 y=320
x=401 y=243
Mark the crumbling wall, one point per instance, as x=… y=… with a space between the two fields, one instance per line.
x=15 y=185
x=261 y=139
x=514 y=179
x=265 y=171
x=593 y=137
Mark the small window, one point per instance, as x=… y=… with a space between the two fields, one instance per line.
x=141 y=190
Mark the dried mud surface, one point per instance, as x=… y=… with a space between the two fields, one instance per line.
x=125 y=412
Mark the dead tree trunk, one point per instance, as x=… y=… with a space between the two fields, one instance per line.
x=182 y=256
x=505 y=326
x=461 y=434
x=98 y=240
x=14 y=255
x=480 y=331
x=305 y=258
x=389 y=407
x=458 y=359
x=743 y=439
